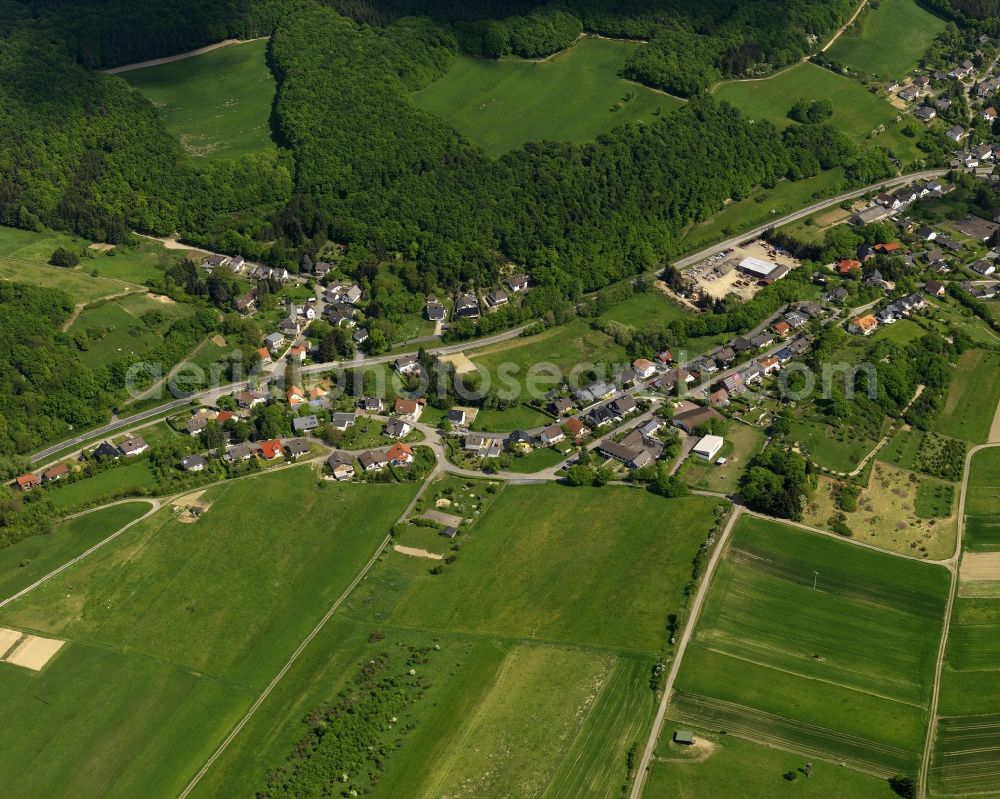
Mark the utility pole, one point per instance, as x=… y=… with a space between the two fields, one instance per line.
x=815 y=577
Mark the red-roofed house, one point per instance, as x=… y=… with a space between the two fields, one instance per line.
x=270 y=449
x=769 y=364
x=888 y=249
x=28 y=481
x=575 y=427
x=643 y=368
x=781 y=327
x=57 y=472
x=847 y=265
x=865 y=325
x=297 y=353
x=265 y=355
x=400 y=454
x=296 y=396
x=665 y=357
x=224 y=416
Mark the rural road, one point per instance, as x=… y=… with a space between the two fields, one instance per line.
x=692 y=621
x=952 y=565
x=753 y=233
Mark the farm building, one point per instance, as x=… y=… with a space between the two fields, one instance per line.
x=708 y=447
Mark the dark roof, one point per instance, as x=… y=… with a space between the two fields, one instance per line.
x=297 y=446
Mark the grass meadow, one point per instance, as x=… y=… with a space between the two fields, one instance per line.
x=29 y=560
x=972 y=397
x=116 y=328
x=565 y=347
x=573 y=96
x=733 y=766
x=856 y=111
x=217 y=104
x=174 y=628
x=839 y=450
x=742 y=443
x=103 y=485
x=544 y=683
x=967 y=748
x=890 y=40
x=644 y=309
x=982 y=502
x=842 y=672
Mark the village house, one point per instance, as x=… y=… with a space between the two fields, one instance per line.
x=28 y=481
x=456 y=417
x=270 y=449
x=238 y=453
x=133 y=446
x=708 y=447
x=518 y=283
x=497 y=298
x=371 y=404
x=691 y=419
x=305 y=424
x=481 y=446
x=467 y=307
x=863 y=325
x=400 y=454
x=407 y=365
x=575 y=427
x=295 y=396
x=296 y=448
x=561 y=405
x=983 y=267
x=274 y=342
x=397 y=428
x=372 y=460
x=265 y=356
x=955 y=133
x=552 y=434
x=769 y=364
x=57 y=472
x=935 y=288
x=194 y=463
x=435 y=312
x=341 y=465
x=408 y=409
x=632 y=458
x=643 y=368
x=341 y=421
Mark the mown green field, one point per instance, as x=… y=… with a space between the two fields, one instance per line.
x=517 y=417
x=566 y=348
x=119 y=328
x=762 y=206
x=966 y=755
x=856 y=111
x=512 y=572
x=217 y=104
x=972 y=397
x=982 y=502
x=890 y=39
x=545 y=683
x=503 y=104
x=173 y=630
x=103 y=485
x=842 y=671
x=736 y=767
x=28 y=560
x=24 y=256
x=644 y=309
x=742 y=443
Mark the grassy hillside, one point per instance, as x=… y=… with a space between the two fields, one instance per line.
x=217 y=104
x=890 y=39
x=500 y=105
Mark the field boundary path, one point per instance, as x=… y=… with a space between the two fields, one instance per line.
x=692 y=621
x=155 y=62
x=155 y=505
x=238 y=728
x=952 y=566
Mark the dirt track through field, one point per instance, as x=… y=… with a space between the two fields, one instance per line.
x=995 y=427
x=155 y=62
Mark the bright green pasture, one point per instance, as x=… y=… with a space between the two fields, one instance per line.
x=628 y=549
x=516 y=417
x=571 y=96
x=972 y=397
x=890 y=39
x=840 y=450
x=644 y=309
x=287 y=548
x=856 y=111
x=762 y=206
x=116 y=328
x=103 y=485
x=843 y=670
x=737 y=767
x=569 y=348
x=174 y=628
x=217 y=104
x=28 y=560
x=982 y=502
